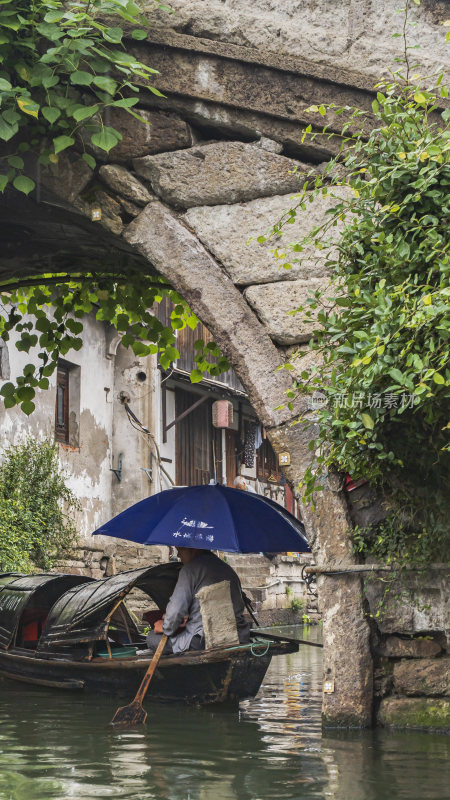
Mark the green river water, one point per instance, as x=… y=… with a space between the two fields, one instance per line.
x=55 y=745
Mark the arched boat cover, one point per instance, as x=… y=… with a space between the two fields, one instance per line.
x=80 y=614
x=16 y=591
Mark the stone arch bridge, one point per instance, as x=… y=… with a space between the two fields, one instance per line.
x=182 y=195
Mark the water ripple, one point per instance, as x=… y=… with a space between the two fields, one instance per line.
x=55 y=747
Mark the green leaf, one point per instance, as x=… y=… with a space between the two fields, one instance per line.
x=125 y=102
x=155 y=91
x=50 y=31
x=5 y=85
x=375 y=106
x=7 y=131
x=54 y=16
x=27 y=407
x=3 y=182
x=89 y=160
x=139 y=34
x=105 y=84
x=25 y=393
x=105 y=140
x=397 y=376
x=81 y=78
x=140 y=349
x=7 y=389
x=113 y=35
x=16 y=162
x=368 y=421
x=50 y=81
x=51 y=113
x=438 y=378
x=62 y=143
x=196 y=376
x=10 y=401
x=85 y=112
x=23 y=184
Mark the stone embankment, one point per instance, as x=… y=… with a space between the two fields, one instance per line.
x=410 y=644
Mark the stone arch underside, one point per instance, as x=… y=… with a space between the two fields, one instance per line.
x=160 y=242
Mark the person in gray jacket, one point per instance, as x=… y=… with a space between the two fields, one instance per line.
x=200 y=568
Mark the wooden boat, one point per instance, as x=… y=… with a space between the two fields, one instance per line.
x=73 y=632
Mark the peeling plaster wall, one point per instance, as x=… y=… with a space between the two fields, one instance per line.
x=104 y=430
x=88 y=464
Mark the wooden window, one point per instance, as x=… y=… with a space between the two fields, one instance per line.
x=198 y=443
x=62 y=404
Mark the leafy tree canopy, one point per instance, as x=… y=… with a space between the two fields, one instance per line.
x=62 y=65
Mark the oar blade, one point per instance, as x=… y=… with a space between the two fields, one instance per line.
x=129 y=716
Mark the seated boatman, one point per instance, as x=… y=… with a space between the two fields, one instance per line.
x=200 y=568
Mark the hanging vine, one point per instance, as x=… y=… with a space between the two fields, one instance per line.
x=380 y=388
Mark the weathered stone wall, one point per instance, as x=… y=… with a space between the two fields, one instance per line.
x=335 y=34
x=276 y=584
x=411 y=643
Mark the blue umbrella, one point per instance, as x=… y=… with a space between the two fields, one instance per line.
x=210 y=517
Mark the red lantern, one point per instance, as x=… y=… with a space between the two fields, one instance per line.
x=222 y=414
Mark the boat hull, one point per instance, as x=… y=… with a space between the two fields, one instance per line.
x=197 y=678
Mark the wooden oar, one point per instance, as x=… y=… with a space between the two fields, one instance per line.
x=275 y=637
x=134 y=713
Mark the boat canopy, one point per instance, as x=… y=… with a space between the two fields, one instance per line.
x=83 y=613
x=19 y=592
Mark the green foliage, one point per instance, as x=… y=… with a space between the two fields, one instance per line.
x=382 y=327
x=48 y=315
x=62 y=66
x=297 y=604
x=36 y=508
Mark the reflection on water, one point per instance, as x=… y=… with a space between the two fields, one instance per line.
x=55 y=745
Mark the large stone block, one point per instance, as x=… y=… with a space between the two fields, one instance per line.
x=221 y=172
x=428 y=676
x=419 y=603
x=159 y=132
x=272 y=302
x=124 y=183
x=395 y=647
x=227 y=229
x=350 y=34
x=240 y=122
x=415 y=713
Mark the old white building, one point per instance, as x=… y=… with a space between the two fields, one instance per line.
x=125 y=430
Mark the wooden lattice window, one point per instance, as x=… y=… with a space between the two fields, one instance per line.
x=62 y=404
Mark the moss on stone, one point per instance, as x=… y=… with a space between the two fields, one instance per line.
x=416 y=713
